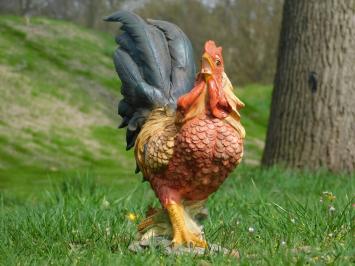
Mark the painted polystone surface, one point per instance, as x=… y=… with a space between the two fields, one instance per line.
x=185 y=127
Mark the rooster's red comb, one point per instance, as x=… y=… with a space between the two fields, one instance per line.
x=212 y=49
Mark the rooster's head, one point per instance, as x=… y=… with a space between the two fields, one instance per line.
x=212 y=92
x=212 y=61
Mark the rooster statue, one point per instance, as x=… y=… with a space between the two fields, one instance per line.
x=185 y=127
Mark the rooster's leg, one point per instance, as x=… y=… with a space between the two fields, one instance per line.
x=182 y=236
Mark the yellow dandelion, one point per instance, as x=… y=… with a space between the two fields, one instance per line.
x=329 y=195
x=131 y=216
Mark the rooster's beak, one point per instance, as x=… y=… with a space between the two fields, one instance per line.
x=206 y=65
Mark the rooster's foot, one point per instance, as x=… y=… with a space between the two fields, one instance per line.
x=181 y=234
x=188 y=239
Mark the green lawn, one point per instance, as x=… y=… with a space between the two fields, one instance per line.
x=84 y=223
x=67 y=183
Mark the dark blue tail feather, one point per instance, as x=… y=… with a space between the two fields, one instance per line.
x=156 y=65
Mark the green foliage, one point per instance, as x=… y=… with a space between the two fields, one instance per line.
x=58 y=85
x=255 y=116
x=272 y=217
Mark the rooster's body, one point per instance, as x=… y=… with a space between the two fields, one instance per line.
x=189 y=161
x=186 y=132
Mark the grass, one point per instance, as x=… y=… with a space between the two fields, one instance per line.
x=67 y=184
x=58 y=106
x=83 y=222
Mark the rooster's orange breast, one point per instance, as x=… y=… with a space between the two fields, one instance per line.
x=206 y=150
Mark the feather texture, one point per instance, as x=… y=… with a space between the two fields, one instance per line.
x=156 y=65
x=182 y=58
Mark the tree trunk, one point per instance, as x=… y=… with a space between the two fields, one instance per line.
x=312 y=120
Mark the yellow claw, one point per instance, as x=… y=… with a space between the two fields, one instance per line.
x=182 y=236
x=189 y=240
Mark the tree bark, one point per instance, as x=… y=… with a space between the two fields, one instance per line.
x=312 y=120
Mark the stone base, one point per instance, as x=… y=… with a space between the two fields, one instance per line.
x=163 y=244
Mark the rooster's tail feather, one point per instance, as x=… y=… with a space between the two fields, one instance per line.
x=155 y=63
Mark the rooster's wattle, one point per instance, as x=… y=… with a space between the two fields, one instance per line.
x=185 y=128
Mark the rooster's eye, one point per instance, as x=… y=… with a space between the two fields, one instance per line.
x=218 y=62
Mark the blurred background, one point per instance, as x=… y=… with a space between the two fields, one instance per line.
x=248 y=30
x=59 y=90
